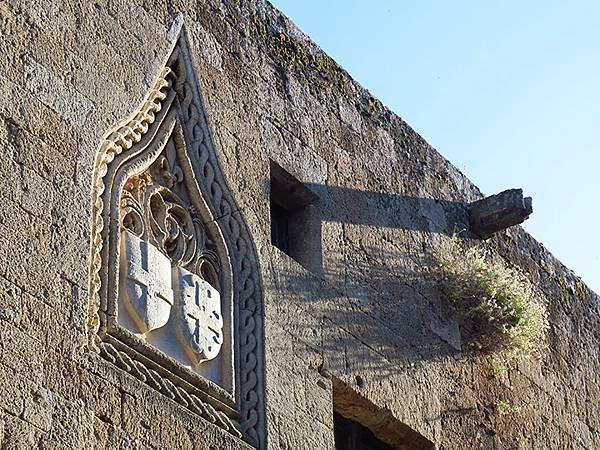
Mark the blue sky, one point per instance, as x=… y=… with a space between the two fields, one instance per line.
x=508 y=91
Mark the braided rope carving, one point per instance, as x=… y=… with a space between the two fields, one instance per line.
x=176 y=393
x=178 y=75
x=248 y=293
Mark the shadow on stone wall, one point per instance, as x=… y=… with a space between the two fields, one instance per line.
x=378 y=314
x=377 y=301
x=377 y=306
x=388 y=210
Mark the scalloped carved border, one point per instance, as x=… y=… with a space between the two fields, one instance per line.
x=177 y=79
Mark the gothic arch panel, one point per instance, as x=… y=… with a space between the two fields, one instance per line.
x=175 y=295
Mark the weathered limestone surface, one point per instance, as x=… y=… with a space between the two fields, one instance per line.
x=374 y=320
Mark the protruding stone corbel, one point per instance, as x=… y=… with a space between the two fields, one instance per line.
x=498 y=212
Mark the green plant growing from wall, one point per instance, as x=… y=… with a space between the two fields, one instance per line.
x=496 y=305
x=505 y=407
x=499 y=366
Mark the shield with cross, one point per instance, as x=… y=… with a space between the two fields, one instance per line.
x=199 y=319
x=145 y=281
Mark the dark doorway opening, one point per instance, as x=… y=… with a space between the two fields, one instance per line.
x=351 y=435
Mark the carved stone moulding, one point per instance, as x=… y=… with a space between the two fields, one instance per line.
x=175 y=293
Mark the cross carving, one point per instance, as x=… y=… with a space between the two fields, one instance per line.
x=146 y=283
x=146 y=272
x=195 y=311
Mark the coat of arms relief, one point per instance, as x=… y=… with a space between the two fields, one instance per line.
x=169 y=270
x=175 y=296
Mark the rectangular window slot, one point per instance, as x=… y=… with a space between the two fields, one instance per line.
x=279 y=227
x=295 y=219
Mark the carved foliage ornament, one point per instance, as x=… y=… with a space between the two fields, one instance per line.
x=175 y=296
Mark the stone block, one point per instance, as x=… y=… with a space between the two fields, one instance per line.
x=29 y=151
x=14 y=389
x=73 y=425
x=37 y=195
x=25 y=257
x=237 y=108
x=31 y=114
x=36 y=317
x=55 y=93
x=10 y=301
x=39 y=409
x=148 y=415
x=101 y=397
x=19 y=434
x=319 y=398
x=20 y=351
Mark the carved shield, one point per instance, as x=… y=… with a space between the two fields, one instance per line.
x=199 y=319
x=145 y=283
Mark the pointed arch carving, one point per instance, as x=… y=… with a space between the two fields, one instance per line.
x=161 y=212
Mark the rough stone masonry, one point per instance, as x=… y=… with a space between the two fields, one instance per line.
x=173 y=121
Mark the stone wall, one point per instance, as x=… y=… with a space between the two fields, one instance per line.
x=374 y=322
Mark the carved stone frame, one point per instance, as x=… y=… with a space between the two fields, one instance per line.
x=174 y=106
